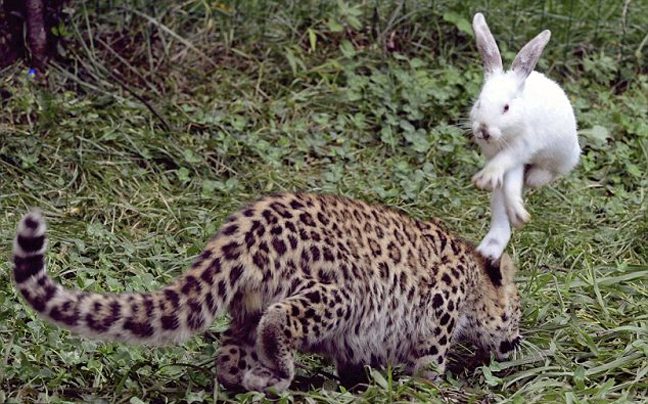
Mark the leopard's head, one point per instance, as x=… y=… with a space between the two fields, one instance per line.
x=493 y=324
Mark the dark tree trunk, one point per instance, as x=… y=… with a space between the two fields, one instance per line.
x=36 y=34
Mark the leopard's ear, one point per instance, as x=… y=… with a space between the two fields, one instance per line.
x=500 y=271
x=507 y=268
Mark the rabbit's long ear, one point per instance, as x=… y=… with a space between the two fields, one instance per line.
x=526 y=59
x=487 y=46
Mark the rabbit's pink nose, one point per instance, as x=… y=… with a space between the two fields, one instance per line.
x=482 y=133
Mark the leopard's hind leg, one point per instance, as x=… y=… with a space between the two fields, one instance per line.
x=238 y=352
x=300 y=321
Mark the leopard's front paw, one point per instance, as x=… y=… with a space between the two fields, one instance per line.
x=260 y=378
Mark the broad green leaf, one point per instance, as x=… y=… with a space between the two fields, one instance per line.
x=347 y=48
x=596 y=135
x=460 y=22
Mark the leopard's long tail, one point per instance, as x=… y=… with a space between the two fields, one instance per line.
x=171 y=314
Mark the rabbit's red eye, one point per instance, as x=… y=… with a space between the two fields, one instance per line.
x=506 y=108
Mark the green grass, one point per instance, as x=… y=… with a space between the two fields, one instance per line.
x=158 y=124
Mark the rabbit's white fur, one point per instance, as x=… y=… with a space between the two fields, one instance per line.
x=525 y=126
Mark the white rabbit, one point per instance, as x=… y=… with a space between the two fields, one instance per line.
x=525 y=126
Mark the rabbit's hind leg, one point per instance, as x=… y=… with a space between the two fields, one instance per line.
x=513 y=183
x=498 y=236
x=535 y=177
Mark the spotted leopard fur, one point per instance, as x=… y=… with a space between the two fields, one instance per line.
x=359 y=283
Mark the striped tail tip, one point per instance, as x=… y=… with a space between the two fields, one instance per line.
x=29 y=246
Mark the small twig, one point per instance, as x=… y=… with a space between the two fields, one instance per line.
x=319 y=371
x=166 y=125
x=390 y=24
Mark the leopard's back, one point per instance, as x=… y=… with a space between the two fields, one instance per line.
x=288 y=241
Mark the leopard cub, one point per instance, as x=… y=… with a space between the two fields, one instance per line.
x=358 y=283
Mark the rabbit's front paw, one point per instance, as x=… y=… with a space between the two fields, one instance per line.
x=489 y=178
